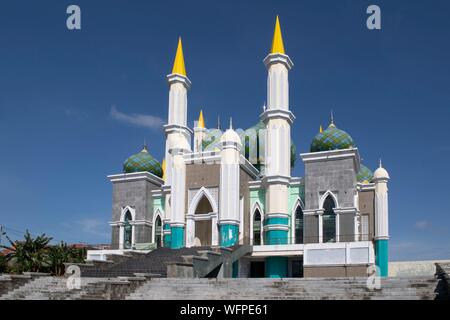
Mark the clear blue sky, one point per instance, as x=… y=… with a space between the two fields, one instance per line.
x=75 y=104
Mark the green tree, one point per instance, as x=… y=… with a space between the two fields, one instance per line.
x=29 y=254
x=57 y=256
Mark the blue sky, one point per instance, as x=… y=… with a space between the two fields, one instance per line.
x=75 y=104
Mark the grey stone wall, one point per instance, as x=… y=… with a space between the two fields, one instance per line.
x=367 y=207
x=136 y=194
x=142 y=234
x=338 y=176
x=115 y=232
x=311 y=229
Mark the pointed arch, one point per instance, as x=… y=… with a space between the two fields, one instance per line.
x=327 y=194
x=329 y=223
x=157 y=231
x=129 y=209
x=297 y=222
x=203 y=192
x=256 y=236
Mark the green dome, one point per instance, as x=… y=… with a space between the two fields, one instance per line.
x=141 y=162
x=331 y=139
x=364 y=175
x=252 y=134
x=211 y=141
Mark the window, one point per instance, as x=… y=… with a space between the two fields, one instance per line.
x=127 y=231
x=257 y=228
x=329 y=220
x=158 y=231
x=298 y=225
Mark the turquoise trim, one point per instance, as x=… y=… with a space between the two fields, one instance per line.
x=276 y=237
x=228 y=235
x=235 y=267
x=166 y=237
x=276 y=221
x=276 y=267
x=177 y=240
x=381 y=257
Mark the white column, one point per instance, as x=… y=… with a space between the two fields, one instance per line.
x=381 y=209
x=229 y=183
x=178 y=190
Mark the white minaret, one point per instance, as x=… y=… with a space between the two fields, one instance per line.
x=381 y=178
x=278 y=119
x=229 y=211
x=178 y=142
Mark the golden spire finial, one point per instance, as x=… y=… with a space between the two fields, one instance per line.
x=320 y=129
x=178 y=64
x=164 y=169
x=201 y=121
x=277 y=41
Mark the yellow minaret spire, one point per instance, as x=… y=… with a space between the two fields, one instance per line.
x=201 y=122
x=277 y=41
x=178 y=64
x=320 y=129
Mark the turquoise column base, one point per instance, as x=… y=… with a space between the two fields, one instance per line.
x=276 y=237
x=381 y=257
x=235 y=269
x=276 y=267
x=166 y=237
x=177 y=236
x=228 y=235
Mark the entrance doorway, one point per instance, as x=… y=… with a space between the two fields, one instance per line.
x=203 y=223
x=257 y=269
x=297 y=268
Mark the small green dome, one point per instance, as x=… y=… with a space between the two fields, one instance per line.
x=141 y=162
x=364 y=175
x=331 y=139
x=253 y=134
x=211 y=141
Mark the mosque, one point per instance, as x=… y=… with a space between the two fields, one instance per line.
x=225 y=188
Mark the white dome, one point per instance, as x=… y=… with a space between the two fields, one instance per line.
x=380 y=173
x=231 y=136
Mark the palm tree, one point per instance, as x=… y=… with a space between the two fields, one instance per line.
x=57 y=256
x=29 y=254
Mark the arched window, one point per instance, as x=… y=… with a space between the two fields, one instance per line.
x=158 y=231
x=329 y=220
x=257 y=228
x=298 y=225
x=203 y=206
x=127 y=231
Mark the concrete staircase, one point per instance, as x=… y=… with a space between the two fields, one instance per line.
x=196 y=262
x=308 y=289
x=55 y=288
x=140 y=288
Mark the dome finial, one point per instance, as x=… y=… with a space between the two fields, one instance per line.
x=320 y=129
x=381 y=165
x=144 y=147
x=218 y=122
x=231 y=123
x=332 y=117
